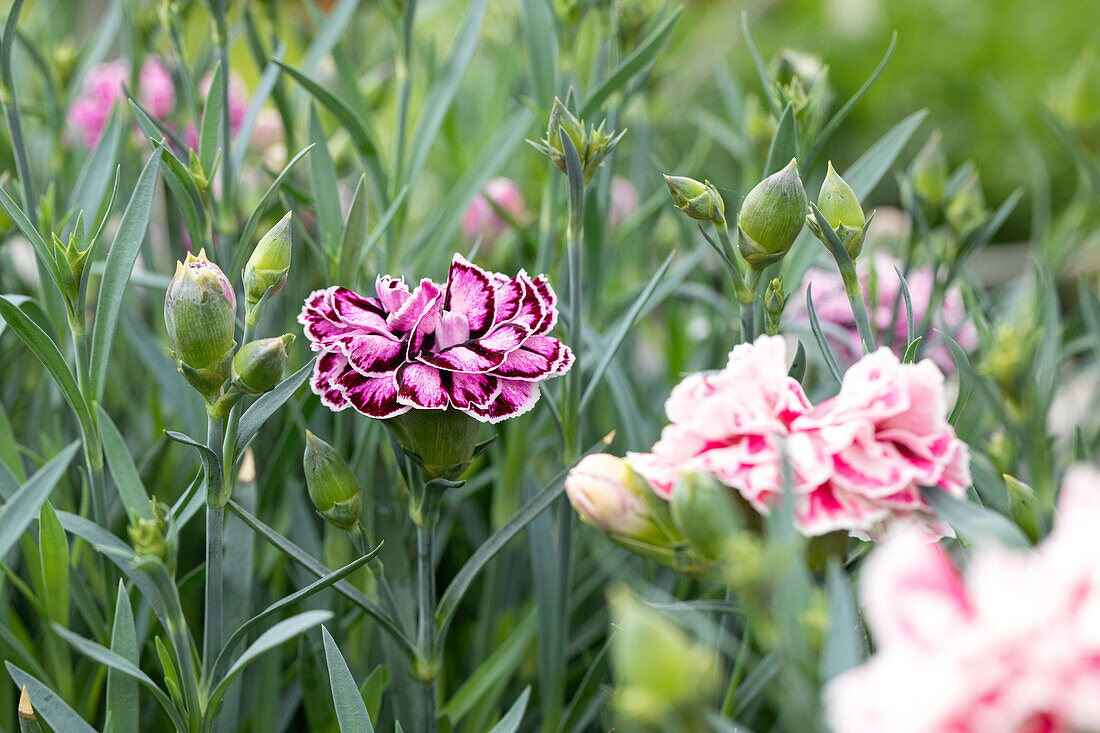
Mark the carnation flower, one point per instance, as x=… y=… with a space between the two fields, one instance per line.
x=858 y=460
x=886 y=309
x=478 y=343
x=481 y=218
x=104 y=86
x=1012 y=647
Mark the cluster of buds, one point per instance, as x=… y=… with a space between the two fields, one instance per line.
x=331 y=483
x=802 y=81
x=840 y=206
x=200 y=310
x=592 y=144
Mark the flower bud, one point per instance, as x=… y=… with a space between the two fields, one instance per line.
x=70 y=264
x=698 y=200
x=332 y=485
x=148 y=535
x=269 y=263
x=839 y=204
x=771 y=217
x=258 y=365
x=562 y=119
x=929 y=170
x=966 y=210
x=609 y=495
x=775 y=300
x=705 y=514
x=592 y=147
x=663 y=678
x=199 y=313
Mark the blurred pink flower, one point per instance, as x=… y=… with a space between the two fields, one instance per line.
x=104 y=87
x=858 y=460
x=238 y=108
x=624 y=201
x=1014 y=647
x=482 y=220
x=881 y=290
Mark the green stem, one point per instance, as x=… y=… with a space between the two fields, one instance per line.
x=854 y=292
x=427 y=661
x=215 y=516
x=744 y=284
x=229 y=444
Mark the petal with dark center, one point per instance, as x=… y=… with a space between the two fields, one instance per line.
x=421 y=385
x=355 y=310
x=470 y=292
x=516 y=397
x=539 y=358
x=372 y=396
x=392 y=293
x=373 y=354
x=329 y=367
x=549 y=300
x=418 y=311
x=508 y=295
x=482 y=355
x=472 y=390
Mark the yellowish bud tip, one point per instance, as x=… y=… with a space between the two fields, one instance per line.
x=25 y=710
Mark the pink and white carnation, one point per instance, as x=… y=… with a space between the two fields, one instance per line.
x=1011 y=647
x=857 y=460
x=104 y=87
x=478 y=343
x=885 y=308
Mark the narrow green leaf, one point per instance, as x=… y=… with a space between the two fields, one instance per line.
x=819 y=336
x=973 y=521
x=116 y=271
x=761 y=68
x=784 y=144
x=351 y=711
x=9 y=447
x=211 y=117
x=964 y=372
x=326 y=194
x=211 y=461
x=53 y=553
x=122 y=693
x=908 y=305
x=48 y=705
x=1090 y=311
x=911 y=351
x=845 y=646
x=864 y=175
x=511 y=720
x=441 y=95
x=638 y=59
x=263 y=408
x=17 y=514
x=259 y=98
x=130 y=488
x=30 y=231
x=91 y=182
x=540 y=37
x=354 y=237
x=501 y=664
x=842 y=114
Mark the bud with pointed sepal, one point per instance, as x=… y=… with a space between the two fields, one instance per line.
x=268 y=266
x=966 y=209
x=199 y=313
x=592 y=144
x=699 y=201
x=148 y=535
x=839 y=204
x=775 y=300
x=258 y=365
x=929 y=170
x=771 y=217
x=71 y=260
x=705 y=514
x=332 y=485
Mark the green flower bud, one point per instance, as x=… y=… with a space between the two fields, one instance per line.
x=198 y=175
x=199 y=313
x=258 y=365
x=775 y=300
x=592 y=147
x=771 y=217
x=663 y=678
x=148 y=535
x=705 y=514
x=966 y=210
x=443 y=440
x=1075 y=100
x=269 y=264
x=562 y=119
x=698 y=200
x=839 y=205
x=929 y=170
x=332 y=485
x=70 y=261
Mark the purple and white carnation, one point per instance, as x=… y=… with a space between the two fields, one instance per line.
x=478 y=343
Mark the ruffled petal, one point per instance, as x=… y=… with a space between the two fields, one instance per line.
x=421 y=385
x=372 y=396
x=418 y=311
x=353 y=309
x=373 y=354
x=328 y=368
x=470 y=292
x=540 y=357
x=515 y=398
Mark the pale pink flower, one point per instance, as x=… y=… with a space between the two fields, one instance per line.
x=1014 y=647
x=857 y=460
x=623 y=201
x=881 y=290
x=104 y=87
x=482 y=220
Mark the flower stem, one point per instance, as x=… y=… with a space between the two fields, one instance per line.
x=854 y=292
x=744 y=284
x=215 y=516
x=427 y=666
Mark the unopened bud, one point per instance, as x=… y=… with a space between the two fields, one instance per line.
x=775 y=300
x=966 y=210
x=592 y=145
x=562 y=119
x=332 y=485
x=698 y=200
x=70 y=264
x=269 y=263
x=148 y=535
x=258 y=365
x=771 y=217
x=839 y=204
x=199 y=313
x=929 y=170
x=609 y=495
x=705 y=514
x=443 y=440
